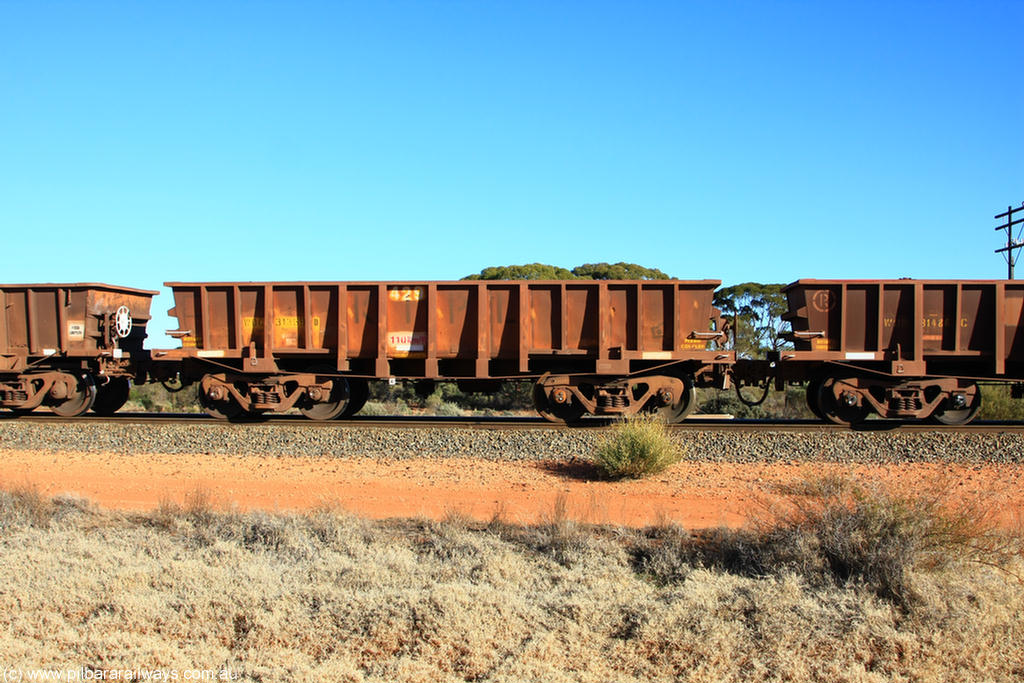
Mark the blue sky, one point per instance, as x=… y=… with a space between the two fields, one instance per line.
x=142 y=142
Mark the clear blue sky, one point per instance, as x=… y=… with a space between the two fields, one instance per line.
x=149 y=141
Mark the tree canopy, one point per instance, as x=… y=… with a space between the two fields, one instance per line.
x=618 y=271
x=529 y=271
x=588 y=271
x=758 y=309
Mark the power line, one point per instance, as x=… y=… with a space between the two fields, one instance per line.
x=1011 y=244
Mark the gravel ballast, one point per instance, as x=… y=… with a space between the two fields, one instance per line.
x=519 y=444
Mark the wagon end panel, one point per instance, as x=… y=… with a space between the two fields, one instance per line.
x=187 y=311
x=698 y=319
x=77 y=320
x=814 y=314
x=114 y=317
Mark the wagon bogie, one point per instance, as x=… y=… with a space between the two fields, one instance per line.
x=566 y=398
x=71 y=395
x=318 y=396
x=960 y=405
x=218 y=400
x=558 y=399
x=67 y=393
x=851 y=399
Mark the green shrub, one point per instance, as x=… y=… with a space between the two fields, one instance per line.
x=382 y=408
x=997 y=404
x=790 y=404
x=637 y=447
x=153 y=398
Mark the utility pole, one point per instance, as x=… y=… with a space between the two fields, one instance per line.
x=1011 y=244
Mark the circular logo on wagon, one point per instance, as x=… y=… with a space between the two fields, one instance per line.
x=123 y=322
x=823 y=300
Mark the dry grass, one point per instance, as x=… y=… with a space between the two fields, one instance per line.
x=329 y=596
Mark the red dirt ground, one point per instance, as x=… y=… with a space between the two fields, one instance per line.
x=695 y=495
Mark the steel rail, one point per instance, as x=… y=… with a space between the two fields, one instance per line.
x=511 y=423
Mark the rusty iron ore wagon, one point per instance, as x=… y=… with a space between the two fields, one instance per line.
x=597 y=347
x=71 y=347
x=903 y=349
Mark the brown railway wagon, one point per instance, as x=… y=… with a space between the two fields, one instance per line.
x=908 y=349
x=602 y=347
x=70 y=347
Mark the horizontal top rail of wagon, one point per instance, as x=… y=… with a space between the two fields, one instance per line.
x=899 y=281
x=80 y=285
x=300 y=283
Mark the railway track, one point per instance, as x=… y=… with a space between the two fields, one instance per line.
x=702 y=424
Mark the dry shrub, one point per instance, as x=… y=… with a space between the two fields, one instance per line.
x=881 y=537
x=840 y=531
x=637 y=447
x=561 y=537
x=199 y=505
x=24 y=505
x=558 y=536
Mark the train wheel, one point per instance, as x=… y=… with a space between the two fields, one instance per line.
x=836 y=409
x=81 y=394
x=225 y=409
x=569 y=412
x=111 y=396
x=813 y=390
x=333 y=405
x=683 y=406
x=358 y=394
x=948 y=415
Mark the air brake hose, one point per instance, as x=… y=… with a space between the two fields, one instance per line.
x=764 y=396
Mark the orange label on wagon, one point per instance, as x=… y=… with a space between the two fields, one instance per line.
x=406 y=344
x=288 y=322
